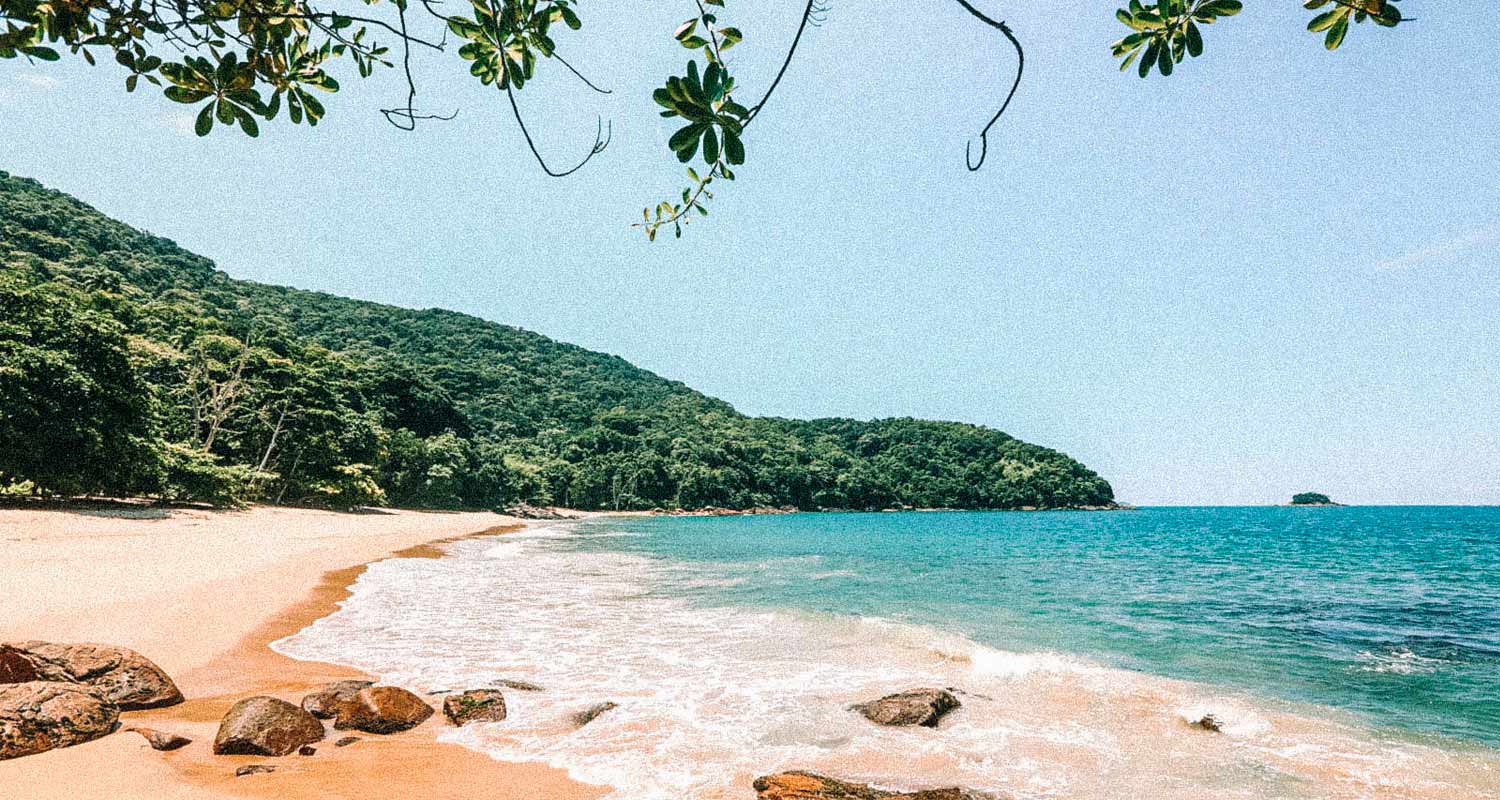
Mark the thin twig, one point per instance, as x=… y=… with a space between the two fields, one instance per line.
x=600 y=141
x=984 y=135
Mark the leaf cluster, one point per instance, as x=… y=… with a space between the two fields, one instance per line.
x=1163 y=33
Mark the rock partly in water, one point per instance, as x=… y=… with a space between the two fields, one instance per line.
x=520 y=686
x=346 y=741
x=41 y=715
x=253 y=769
x=591 y=713
x=161 y=740
x=475 y=705
x=382 y=709
x=324 y=703
x=809 y=786
x=1208 y=722
x=265 y=726
x=913 y=707
x=120 y=675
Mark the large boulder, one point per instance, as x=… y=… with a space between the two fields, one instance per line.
x=324 y=703
x=382 y=709
x=265 y=726
x=809 y=786
x=41 y=715
x=475 y=705
x=913 y=707
x=119 y=675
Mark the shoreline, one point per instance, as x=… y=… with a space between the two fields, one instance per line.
x=212 y=635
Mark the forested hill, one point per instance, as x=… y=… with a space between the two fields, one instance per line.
x=131 y=366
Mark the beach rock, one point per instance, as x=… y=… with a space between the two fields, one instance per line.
x=119 y=675
x=520 y=686
x=16 y=667
x=382 y=709
x=41 y=715
x=346 y=741
x=307 y=750
x=253 y=769
x=161 y=740
x=475 y=705
x=1209 y=723
x=810 y=786
x=324 y=703
x=913 y=707
x=591 y=713
x=265 y=726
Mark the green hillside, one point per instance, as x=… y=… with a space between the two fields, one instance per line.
x=131 y=366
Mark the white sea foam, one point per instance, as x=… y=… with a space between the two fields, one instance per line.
x=1400 y=661
x=709 y=697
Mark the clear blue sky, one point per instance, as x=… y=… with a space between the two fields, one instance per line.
x=1274 y=271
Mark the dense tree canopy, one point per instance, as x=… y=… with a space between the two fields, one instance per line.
x=128 y=365
x=240 y=62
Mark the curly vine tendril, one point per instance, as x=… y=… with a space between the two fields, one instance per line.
x=984 y=140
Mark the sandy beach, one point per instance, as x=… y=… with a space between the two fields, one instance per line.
x=203 y=594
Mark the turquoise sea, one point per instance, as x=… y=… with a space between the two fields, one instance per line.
x=1392 y=613
x=1350 y=652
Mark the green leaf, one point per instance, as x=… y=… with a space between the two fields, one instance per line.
x=734 y=152
x=1325 y=20
x=181 y=94
x=205 y=121
x=1335 y=35
x=710 y=145
x=247 y=122
x=1194 y=40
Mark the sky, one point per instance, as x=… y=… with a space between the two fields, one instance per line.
x=1274 y=271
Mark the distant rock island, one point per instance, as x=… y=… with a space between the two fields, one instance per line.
x=1312 y=499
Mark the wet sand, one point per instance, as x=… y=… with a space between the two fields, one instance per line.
x=203 y=594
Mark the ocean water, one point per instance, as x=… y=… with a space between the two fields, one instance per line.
x=1350 y=652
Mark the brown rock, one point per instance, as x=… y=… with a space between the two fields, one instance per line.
x=520 y=686
x=589 y=714
x=913 y=707
x=120 y=675
x=808 y=786
x=346 y=741
x=265 y=726
x=324 y=703
x=475 y=705
x=161 y=740
x=382 y=709
x=15 y=667
x=1209 y=723
x=253 y=769
x=41 y=715
x=307 y=750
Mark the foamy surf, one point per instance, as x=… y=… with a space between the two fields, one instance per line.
x=710 y=695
